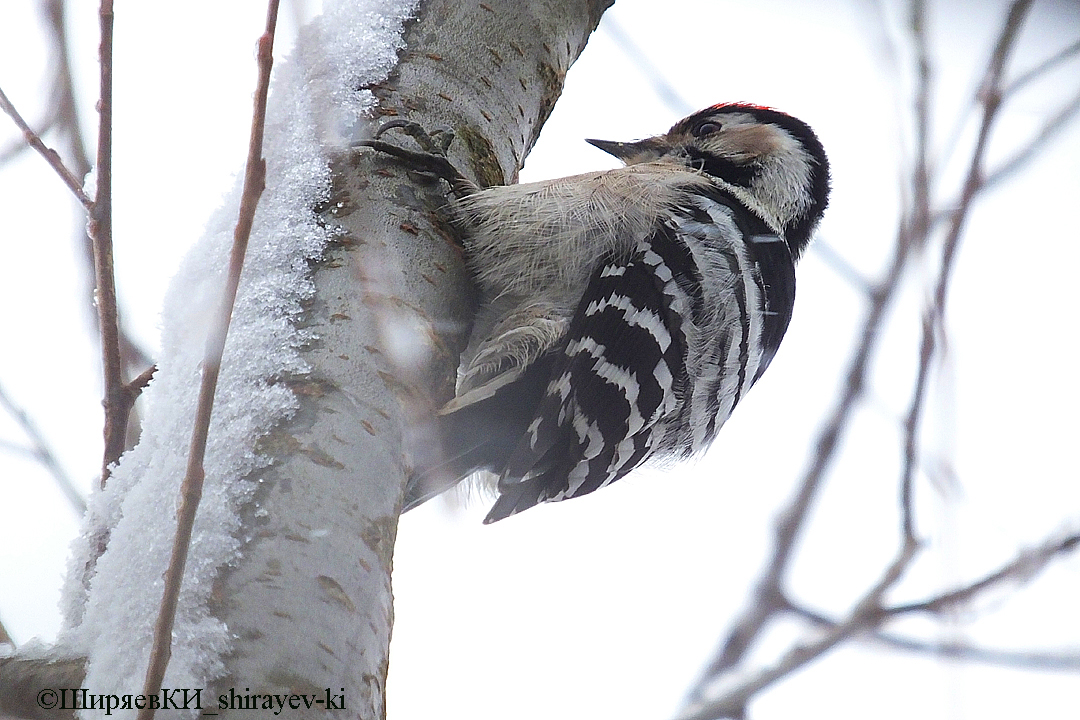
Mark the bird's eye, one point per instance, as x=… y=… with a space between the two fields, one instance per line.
x=707 y=127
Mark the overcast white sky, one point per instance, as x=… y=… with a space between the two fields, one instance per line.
x=609 y=604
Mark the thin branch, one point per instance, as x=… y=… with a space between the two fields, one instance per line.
x=991 y=94
x=50 y=155
x=638 y=57
x=17 y=449
x=1021 y=158
x=932 y=325
x=18 y=147
x=41 y=451
x=963 y=652
x=1021 y=569
x=100 y=226
x=840 y=265
x=136 y=386
x=63 y=102
x=927 y=350
x=62 y=92
x=919 y=216
x=1039 y=142
x=1059 y=58
x=191 y=489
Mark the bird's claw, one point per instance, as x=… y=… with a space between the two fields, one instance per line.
x=432 y=157
x=436 y=142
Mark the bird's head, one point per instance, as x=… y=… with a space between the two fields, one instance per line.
x=772 y=157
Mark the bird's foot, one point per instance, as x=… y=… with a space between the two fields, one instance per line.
x=431 y=159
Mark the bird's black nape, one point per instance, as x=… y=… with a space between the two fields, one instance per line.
x=799 y=231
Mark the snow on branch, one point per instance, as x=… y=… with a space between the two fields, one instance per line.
x=317 y=101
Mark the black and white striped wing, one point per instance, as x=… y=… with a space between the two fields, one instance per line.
x=620 y=371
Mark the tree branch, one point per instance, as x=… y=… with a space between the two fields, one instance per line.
x=1025 y=566
x=963 y=652
x=932 y=324
x=1036 y=144
x=191 y=489
x=42 y=452
x=51 y=156
x=637 y=56
x=919 y=216
x=840 y=265
x=18 y=147
x=66 y=120
x=23 y=680
x=100 y=228
x=1043 y=68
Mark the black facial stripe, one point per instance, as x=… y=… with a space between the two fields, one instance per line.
x=721 y=167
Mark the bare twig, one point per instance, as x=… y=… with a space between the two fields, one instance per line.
x=1022 y=568
x=840 y=265
x=1059 y=58
x=927 y=350
x=136 y=386
x=62 y=92
x=117 y=407
x=50 y=155
x=66 y=119
x=991 y=94
x=18 y=147
x=919 y=215
x=932 y=326
x=100 y=226
x=191 y=489
x=1026 y=565
x=118 y=350
x=1041 y=139
x=963 y=652
x=639 y=57
x=41 y=451
x=1022 y=157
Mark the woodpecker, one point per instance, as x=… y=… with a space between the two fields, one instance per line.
x=624 y=313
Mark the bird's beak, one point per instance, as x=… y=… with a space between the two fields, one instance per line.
x=621 y=150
